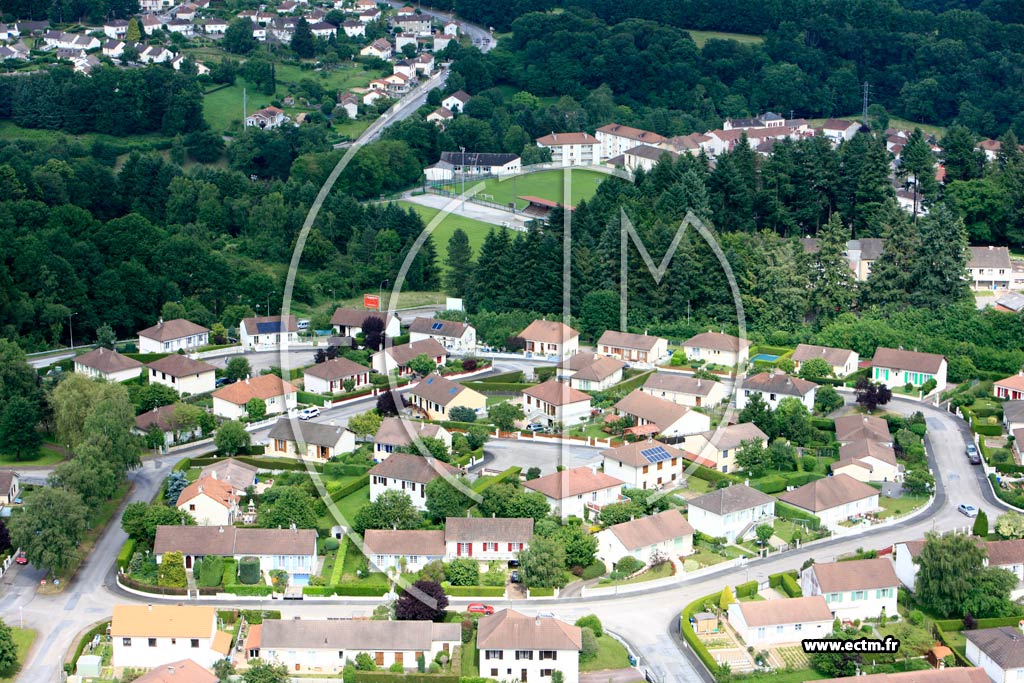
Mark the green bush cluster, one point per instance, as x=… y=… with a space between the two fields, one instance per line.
x=476 y=591
x=789 y=512
x=249 y=570
x=125 y=555
x=210 y=571
x=790 y=587
x=260 y=590
x=350 y=488
x=594 y=570
x=746 y=590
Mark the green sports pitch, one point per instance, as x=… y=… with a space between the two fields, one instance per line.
x=544 y=184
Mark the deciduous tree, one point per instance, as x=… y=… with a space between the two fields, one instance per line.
x=231 y=438
x=50 y=528
x=423 y=601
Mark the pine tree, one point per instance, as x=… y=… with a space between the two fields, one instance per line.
x=833 y=281
x=980 y=524
x=303 y=43
x=134 y=34
x=918 y=166
x=865 y=183
x=940 y=269
x=459 y=262
x=959 y=156
x=891 y=279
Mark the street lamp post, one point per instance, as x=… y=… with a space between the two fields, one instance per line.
x=380 y=295
x=462 y=161
x=71 y=328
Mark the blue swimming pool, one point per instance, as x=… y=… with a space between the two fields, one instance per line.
x=300 y=580
x=766 y=357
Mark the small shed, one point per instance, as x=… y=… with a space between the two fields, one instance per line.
x=89 y=666
x=705 y=622
x=937 y=654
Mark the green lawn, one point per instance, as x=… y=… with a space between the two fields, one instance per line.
x=470 y=666
x=895 y=507
x=349 y=505
x=706 y=558
x=23 y=639
x=9 y=131
x=475 y=230
x=895 y=122
x=545 y=184
x=47 y=455
x=660 y=572
x=697 y=486
x=611 y=654
x=702 y=37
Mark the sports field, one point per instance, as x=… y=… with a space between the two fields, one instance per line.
x=544 y=184
x=475 y=230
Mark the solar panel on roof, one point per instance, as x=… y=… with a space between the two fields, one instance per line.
x=430 y=380
x=656 y=454
x=437 y=326
x=452 y=390
x=269 y=327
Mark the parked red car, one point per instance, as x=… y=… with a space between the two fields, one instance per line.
x=480 y=608
x=21 y=559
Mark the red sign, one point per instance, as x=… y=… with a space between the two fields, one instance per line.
x=371 y=301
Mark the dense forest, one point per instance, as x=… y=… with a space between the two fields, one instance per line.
x=960 y=65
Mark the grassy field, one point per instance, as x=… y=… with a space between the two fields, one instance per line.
x=895 y=122
x=895 y=507
x=9 y=131
x=223 y=108
x=544 y=184
x=611 y=654
x=47 y=455
x=702 y=37
x=475 y=230
x=23 y=639
x=470 y=668
x=350 y=504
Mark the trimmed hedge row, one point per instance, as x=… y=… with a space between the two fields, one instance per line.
x=351 y=487
x=511 y=474
x=824 y=424
x=318 y=591
x=485 y=387
x=746 y=590
x=987 y=430
x=787 y=511
x=230 y=572
x=365 y=590
x=476 y=591
x=97 y=630
x=690 y=636
x=339 y=563
x=260 y=590
x=341 y=469
x=263 y=463
x=1010 y=497
x=712 y=476
x=790 y=587
x=769 y=484
x=464 y=426
x=148 y=588
x=391 y=677
x=309 y=397
x=125 y=556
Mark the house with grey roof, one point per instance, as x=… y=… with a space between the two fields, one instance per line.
x=169 y=336
x=322 y=646
x=775 y=386
x=999 y=651
x=396 y=358
x=716 y=448
x=990 y=268
x=684 y=389
x=434 y=396
x=309 y=440
x=834 y=499
x=855 y=589
x=268 y=331
x=331 y=376
x=731 y=513
x=486 y=538
x=451 y=334
x=291 y=550
x=409 y=474
x=899 y=367
x=842 y=361
x=184 y=375
x=108 y=365
x=396 y=433
x=408 y=550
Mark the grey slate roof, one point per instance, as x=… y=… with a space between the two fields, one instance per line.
x=353 y=635
x=1004 y=645
x=308 y=432
x=731 y=499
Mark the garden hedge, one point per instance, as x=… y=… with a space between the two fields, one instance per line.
x=712 y=476
x=248 y=570
x=790 y=587
x=124 y=557
x=362 y=589
x=823 y=423
x=511 y=474
x=1011 y=497
x=746 y=590
x=259 y=590
x=340 y=469
x=149 y=588
x=230 y=572
x=476 y=591
x=987 y=430
x=770 y=484
x=310 y=398
x=350 y=488
x=787 y=511
x=391 y=677
x=486 y=387
x=691 y=637
x=97 y=630
x=318 y=591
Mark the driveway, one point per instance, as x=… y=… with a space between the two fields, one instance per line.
x=612 y=676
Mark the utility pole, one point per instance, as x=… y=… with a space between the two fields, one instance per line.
x=462 y=162
x=71 y=328
x=245 y=103
x=864 y=110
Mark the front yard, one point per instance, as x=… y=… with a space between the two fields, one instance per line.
x=23 y=639
x=897 y=507
x=661 y=571
x=611 y=654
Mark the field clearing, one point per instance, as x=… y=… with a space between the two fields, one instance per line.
x=895 y=122
x=474 y=229
x=544 y=184
x=702 y=37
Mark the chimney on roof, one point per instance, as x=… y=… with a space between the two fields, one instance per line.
x=538 y=620
x=150 y=606
x=170 y=670
x=200 y=488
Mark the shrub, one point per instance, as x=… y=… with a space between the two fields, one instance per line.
x=331 y=543
x=172 y=571
x=211 y=573
x=230 y=572
x=421 y=663
x=364 y=662
x=434 y=668
x=808 y=463
x=396 y=668
x=770 y=484
x=249 y=570
x=463 y=572
x=462 y=414
x=595 y=570
x=746 y=590
x=629 y=565
x=589 y=649
x=467 y=630
x=916 y=617
x=593 y=623
x=125 y=556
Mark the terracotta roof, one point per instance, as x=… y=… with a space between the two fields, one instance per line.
x=990 y=257
x=832 y=356
x=403 y=542
x=235 y=472
x=717 y=340
x=558 y=139
x=730 y=499
x=162 y=417
x=947 y=675
x=229 y=540
x=778 y=382
x=600 y=369
x=631 y=133
x=7 y=479
x=825 y=494
x=441 y=328
x=679 y=383
x=650 y=152
x=556 y=393
x=632 y=453
x=439 y=390
x=403 y=353
x=254 y=638
x=356 y=635
x=107 y=361
x=733 y=436
x=408 y=467
x=856 y=450
x=316 y=433
x=662 y=413
x=182 y=671
x=572 y=482
x=177 y=365
x=354 y=317
x=914 y=361
x=862 y=427
x=1012 y=382
x=548 y=332
x=645 y=531
x=1003 y=645
x=337 y=368
x=855 y=575
x=460 y=95
x=172 y=329
x=511 y=630
x=395 y=431
x=628 y=340
x=219 y=491
x=264 y=386
x=838 y=124
x=163 y=621
x=1002 y=553
x=252 y=325
x=503 y=530
x=786 y=611
x=221 y=642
